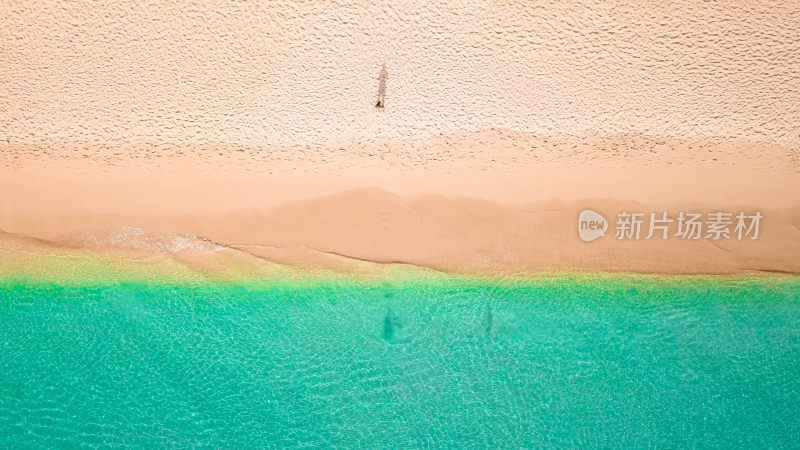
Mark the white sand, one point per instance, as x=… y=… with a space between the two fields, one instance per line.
x=253 y=125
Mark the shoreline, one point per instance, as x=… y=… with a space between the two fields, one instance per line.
x=599 y=284
x=356 y=230
x=492 y=203
x=53 y=265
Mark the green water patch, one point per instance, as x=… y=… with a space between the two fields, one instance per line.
x=564 y=360
x=583 y=288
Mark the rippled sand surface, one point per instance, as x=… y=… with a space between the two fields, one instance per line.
x=178 y=74
x=604 y=361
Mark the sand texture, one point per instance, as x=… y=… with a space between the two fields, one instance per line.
x=174 y=128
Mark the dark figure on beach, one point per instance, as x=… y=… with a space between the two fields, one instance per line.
x=382 y=86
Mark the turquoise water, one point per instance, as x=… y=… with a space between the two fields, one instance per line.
x=459 y=364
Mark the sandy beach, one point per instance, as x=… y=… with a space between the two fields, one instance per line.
x=254 y=128
x=357 y=213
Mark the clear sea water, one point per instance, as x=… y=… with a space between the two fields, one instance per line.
x=561 y=363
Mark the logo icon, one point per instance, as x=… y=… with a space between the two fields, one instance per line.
x=591 y=225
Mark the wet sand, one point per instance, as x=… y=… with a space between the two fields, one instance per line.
x=512 y=218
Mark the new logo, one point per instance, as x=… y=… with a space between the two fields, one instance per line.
x=591 y=225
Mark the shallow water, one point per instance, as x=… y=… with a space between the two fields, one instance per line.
x=563 y=363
